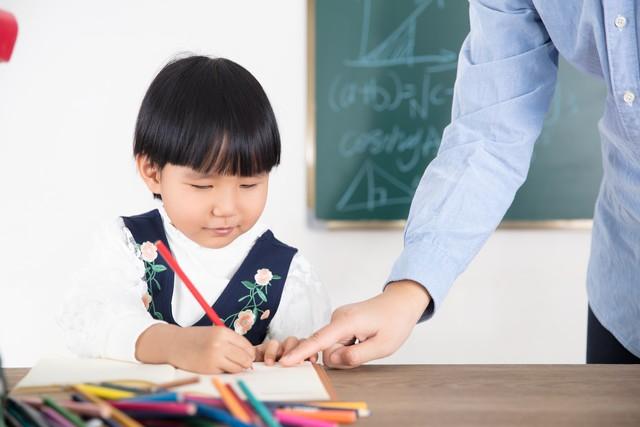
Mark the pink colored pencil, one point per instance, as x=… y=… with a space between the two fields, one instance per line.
x=56 y=417
x=83 y=408
x=295 y=420
x=210 y=401
x=164 y=251
x=172 y=408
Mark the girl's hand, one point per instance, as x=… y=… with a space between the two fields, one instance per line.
x=271 y=351
x=201 y=349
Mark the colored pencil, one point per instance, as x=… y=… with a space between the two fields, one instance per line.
x=166 y=408
x=242 y=402
x=340 y=417
x=32 y=414
x=233 y=405
x=167 y=396
x=106 y=392
x=137 y=390
x=171 y=261
x=295 y=420
x=220 y=415
x=73 y=418
x=258 y=406
x=340 y=404
x=110 y=422
x=209 y=401
x=303 y=406
x=118 y=415
x=176 y=383
x=56 y=418
x=11 y=417
x=82 y=408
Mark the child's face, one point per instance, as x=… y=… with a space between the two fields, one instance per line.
x=212 y=210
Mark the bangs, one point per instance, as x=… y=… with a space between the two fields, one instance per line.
x=210 y=115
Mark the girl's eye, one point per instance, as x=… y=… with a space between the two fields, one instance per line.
x=248 y=185
x=201 y=187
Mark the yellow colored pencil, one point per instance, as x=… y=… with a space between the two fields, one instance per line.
x=106 y=392
x=231 y=402
x=340 y=404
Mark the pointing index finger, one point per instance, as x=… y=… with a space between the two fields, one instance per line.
x=320 y=340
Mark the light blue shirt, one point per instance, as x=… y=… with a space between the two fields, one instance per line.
x=505 y=80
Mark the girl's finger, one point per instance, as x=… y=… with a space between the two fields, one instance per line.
x=239 y=356
x=271 y=352
x=230 y=366
x=241 y=342
x=260 y=352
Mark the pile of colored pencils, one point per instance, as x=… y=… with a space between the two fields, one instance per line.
x=117 y=405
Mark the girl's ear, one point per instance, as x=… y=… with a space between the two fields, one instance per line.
x=149 y=172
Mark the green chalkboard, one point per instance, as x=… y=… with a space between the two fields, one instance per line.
x=383 y=78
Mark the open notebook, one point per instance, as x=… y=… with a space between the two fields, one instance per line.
x=269 y=383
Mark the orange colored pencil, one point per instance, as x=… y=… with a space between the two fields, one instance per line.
x=233 y=405
x=242 y=402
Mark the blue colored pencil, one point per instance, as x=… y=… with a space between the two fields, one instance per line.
x=216 y=414
x=167 y=396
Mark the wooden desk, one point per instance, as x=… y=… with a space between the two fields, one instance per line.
x=488 y=395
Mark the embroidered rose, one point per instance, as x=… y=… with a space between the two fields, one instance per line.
x=265 y=315
x=244 y=322
x=146 y=300
x=263 y=277
x=149 y=251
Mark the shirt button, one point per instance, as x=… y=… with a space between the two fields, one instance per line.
x=620 y=22
x=629 y=97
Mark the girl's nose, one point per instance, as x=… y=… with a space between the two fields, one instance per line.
x=224 y=205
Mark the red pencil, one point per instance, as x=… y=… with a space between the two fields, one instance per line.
x=164 y=251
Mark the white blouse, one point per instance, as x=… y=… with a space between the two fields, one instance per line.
x=103 y=315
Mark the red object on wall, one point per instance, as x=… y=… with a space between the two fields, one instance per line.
x=8 y=34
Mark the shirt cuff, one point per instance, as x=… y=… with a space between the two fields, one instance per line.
x=123 y=336
x=429 y=266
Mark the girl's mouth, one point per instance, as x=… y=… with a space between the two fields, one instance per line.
x=220 y=231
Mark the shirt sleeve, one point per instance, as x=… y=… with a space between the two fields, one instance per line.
x=304 y=306
x=506 y=76
x=103 y=314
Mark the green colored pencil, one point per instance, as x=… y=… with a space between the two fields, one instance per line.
x=73 y=418
x=258 y=406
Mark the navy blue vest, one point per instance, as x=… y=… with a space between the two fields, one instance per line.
x=247 y=304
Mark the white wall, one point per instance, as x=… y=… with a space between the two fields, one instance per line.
x=68 y=102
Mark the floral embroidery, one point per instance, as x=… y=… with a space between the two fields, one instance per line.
x=148 y=251
x=244 y=320
x=148 y=254
x=263 y=277
x=146 y=300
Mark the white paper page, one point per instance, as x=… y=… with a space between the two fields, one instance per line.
x=268 y=383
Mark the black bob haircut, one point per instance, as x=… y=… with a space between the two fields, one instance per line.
x=209 y=114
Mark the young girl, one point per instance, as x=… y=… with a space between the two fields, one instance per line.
x=206 y=139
